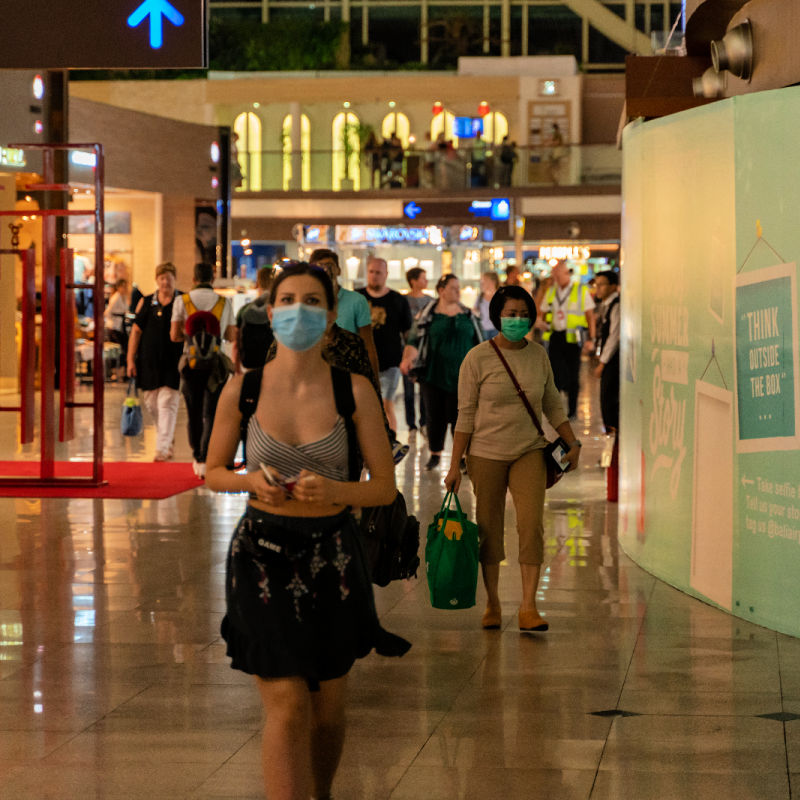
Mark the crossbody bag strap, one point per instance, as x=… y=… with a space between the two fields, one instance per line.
x=518 y=388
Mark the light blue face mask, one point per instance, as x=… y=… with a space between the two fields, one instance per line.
x=299 y=326
x=515 y=328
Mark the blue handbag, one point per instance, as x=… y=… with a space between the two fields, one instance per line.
x=131 y=423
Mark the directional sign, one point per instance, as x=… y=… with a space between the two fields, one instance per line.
x=105 y=34
x=155 y=10
x=411 y=210
x=498 y=208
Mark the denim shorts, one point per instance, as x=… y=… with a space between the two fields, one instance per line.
x=390 y=380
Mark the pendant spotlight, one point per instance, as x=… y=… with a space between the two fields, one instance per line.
x=734 y=52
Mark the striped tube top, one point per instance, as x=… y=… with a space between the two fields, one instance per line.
x=326 y=457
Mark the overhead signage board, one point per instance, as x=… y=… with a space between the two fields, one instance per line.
x=498 y=208
x=389 y=234
x=105 y=34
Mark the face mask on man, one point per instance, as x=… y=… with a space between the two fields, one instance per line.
x=300 y=326
x=515 y=328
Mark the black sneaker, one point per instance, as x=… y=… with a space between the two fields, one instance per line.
x=433 y=462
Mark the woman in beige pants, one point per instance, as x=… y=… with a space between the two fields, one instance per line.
x=505 y=452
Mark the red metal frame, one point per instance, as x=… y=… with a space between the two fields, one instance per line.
x=50 y=252
x=27 y=356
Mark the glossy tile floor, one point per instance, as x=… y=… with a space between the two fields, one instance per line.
x=114 y=682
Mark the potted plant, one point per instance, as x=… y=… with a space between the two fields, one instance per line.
x=354 y=136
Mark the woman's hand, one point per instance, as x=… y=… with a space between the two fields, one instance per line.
x=573 y=454
x=452 y=481
x=131 y=369
x=313 y=488
x=257 y=484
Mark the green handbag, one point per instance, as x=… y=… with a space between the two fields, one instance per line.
x=451 y=557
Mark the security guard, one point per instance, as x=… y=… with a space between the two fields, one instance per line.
x=567 y=312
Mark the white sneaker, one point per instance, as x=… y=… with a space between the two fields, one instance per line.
x=199 y=469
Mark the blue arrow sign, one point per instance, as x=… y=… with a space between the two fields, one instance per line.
x=411 y=209
x=156 y=9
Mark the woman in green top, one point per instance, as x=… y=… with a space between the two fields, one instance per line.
x=443 y=333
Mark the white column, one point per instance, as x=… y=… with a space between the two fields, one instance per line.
x=525 y=22
x=423 y=32
x=505 y=28
x=297 y=143
x=584 y=40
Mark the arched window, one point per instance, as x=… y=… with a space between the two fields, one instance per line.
x=305 y=152
x=248 y=127
x=443 y=123
x=396 y=122
x=346 y=151
x=495 y=127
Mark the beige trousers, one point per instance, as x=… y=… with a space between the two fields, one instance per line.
x=525 y=479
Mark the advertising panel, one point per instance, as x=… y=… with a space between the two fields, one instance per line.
x=710 y=391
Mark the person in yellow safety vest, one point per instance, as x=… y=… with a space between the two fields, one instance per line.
x=567 y=311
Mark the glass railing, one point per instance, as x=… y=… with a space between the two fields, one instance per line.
x=453 y=169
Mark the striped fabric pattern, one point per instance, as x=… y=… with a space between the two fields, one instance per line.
x=326 y=457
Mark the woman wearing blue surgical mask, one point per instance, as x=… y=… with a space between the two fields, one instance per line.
x=299 y=603
x=505 y=451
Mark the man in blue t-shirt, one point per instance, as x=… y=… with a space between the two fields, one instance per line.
x=352 y=309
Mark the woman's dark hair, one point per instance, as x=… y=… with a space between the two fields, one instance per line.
x=498 y=303
x=292 y=269
x=444 y=280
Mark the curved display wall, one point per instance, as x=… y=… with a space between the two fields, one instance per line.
x=710 y=435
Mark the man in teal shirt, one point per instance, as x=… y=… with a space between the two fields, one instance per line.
x=353 y=313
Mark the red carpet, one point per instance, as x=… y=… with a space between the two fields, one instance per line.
x=144 y=480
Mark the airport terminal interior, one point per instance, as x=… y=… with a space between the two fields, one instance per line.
x=653 y=138
x=115 y=683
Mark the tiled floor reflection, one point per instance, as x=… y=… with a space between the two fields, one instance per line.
x=114 y=682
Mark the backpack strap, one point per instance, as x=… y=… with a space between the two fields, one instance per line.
x=248 y=400
x=345 y=408
x=219 y=307
x=190 y=306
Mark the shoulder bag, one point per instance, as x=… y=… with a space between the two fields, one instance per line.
x=554 y=450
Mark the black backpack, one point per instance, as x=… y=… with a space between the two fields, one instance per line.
x=390 y=535
x=391 y=541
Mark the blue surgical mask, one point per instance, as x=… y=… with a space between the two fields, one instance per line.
x=515 y=328
x=299 y=326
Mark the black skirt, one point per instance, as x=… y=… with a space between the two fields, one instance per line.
x=299 y=598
